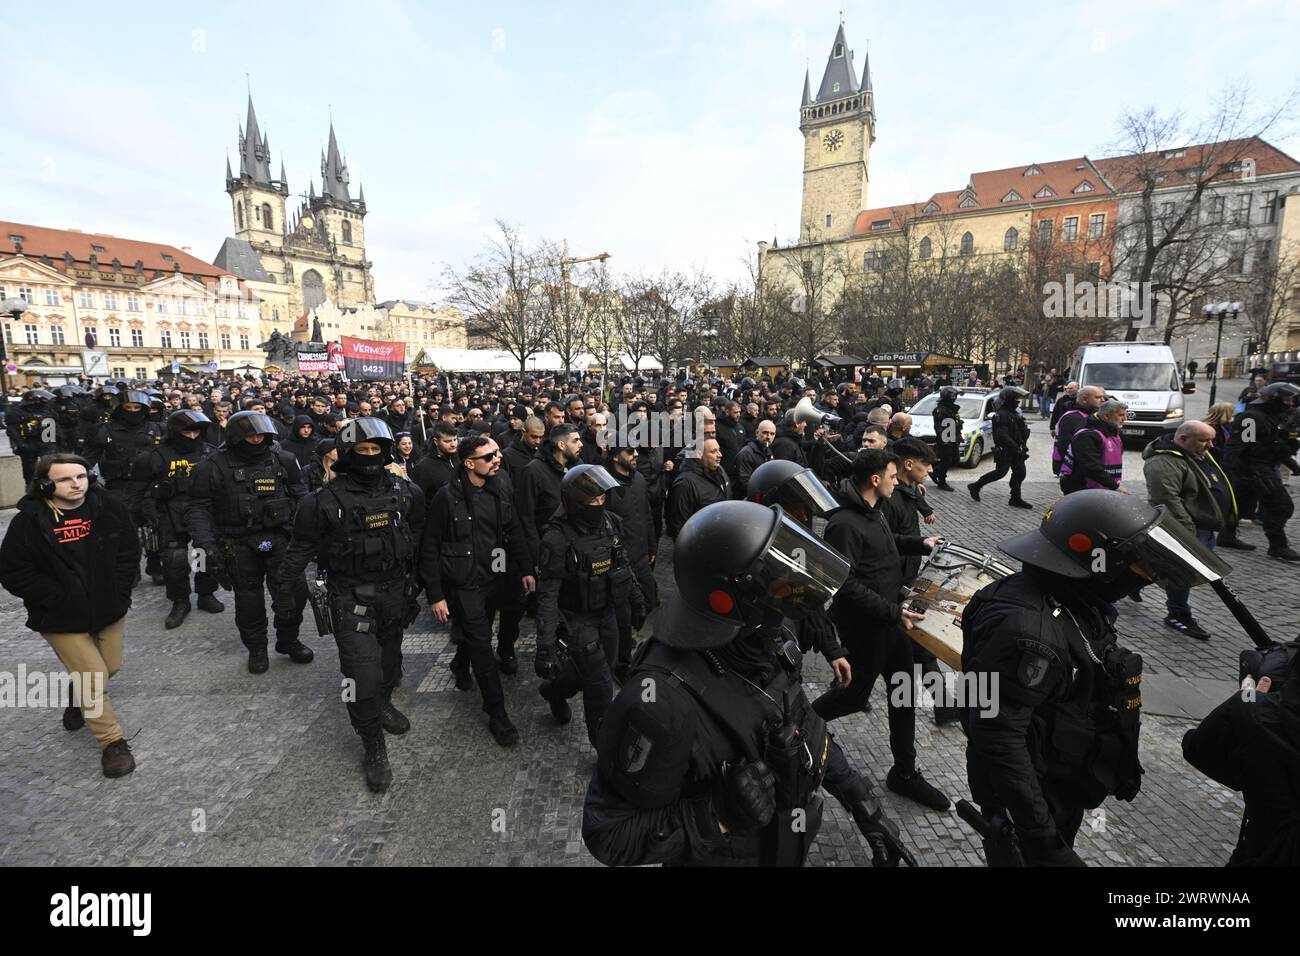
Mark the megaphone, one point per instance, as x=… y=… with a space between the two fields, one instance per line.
x=807 y=413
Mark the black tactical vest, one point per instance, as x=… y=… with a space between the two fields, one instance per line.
x=589 y=567
x=254 y=496
x=375 y=542
x=125 y=442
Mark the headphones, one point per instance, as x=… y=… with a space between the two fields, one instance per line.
x=44 y=487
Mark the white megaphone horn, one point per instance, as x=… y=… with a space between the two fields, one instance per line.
x=808 y=413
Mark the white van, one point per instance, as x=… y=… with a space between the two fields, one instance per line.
x=1142 y=375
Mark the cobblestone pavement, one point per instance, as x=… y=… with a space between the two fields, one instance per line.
x=242 y=769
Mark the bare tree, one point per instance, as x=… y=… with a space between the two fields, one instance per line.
x=499 y=295
x=635 y=318
x=567 y=316
x=816 y=272
x=1272 y=296
x=604 y=306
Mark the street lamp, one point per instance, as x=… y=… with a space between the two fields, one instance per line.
x=1220 y=310
x=12 y=308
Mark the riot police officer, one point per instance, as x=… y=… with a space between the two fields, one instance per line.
x=583 y=574
x=240 y=512
x=364 y=531
x=947 y=435
x=33 y=429
x=1258 y=447
x=94 y=413
x=168 y=470
x=118 y=443
x=1064 y=733
x=1010 y=446
x=68 y=403
x=711 y=754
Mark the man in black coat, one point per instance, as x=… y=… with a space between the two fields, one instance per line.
x=757 y=451
x=302 y=440
x=440 y=465
x=630 y=501
x=523 y=447
x=947 y=435
x=71 y=554
x=700 y=483
x=731 y=438
x=537 y=487
x=789 y=444
x=1010 y=446
x=869 y=617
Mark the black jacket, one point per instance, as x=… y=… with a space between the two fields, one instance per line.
x=731 y=438
x=862 y=534
x=1010 y=434
x=516 y=455
x=1086 y=448
x=789 y=445
x=694 y=489
x=452 y=556
x=906 y=508
x=433 y=472
x=945 y=412
x=748 y=459
x=1062 y=406
x=303 y=449
x=631 y=503
x=537 y=496
x=64 y=594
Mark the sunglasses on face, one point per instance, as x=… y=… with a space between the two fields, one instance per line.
x=487 y=456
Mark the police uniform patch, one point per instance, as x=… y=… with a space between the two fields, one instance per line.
x=636 y=751
x=1036 y=660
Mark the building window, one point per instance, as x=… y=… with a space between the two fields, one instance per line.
x=185 y=340
x=1071 y=229
x=110 y=300
x=1096 y=224
x=1263 y=252
x=926 y=248
x=141 y=372
x=137 y=338
x=1094 y=270
x=1242 y=216
x=27 y=295
x=1083 y=187
x=51 y=296
x=133 y=303
x=1045 y=229
x=1214 y=212
x=1268 y=208
x=1237 y=258
x=182 y=306
x=9 y=334
x=266 y=216
x=828 y=222
x=1010 y=240
x=200 y=307
x=225 y=340
x=165 y=338
x=162 y=305
x=239 y=214
x=119 y=371
x=115 y=338
x=86 y=299
x=222 y=310
x=56 y=334
x=275 y=314
x=243 y=341
x=203 y=340
x=967 y=244
x=347 y=232
x=1166 y=211
x=873 y=261
x=33 y=335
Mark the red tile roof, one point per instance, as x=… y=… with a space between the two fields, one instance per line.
x=1123 y=171
x=39 y=241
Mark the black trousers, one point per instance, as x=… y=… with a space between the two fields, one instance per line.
x=175 y=558
x=368 y=633
x=1275 y=505
x=947 y=459
x=256 y=564
x=645 y=577
x=1006 y=461
x=887 y=651
x=472 y=611
x=513 y=603
x=592 y=637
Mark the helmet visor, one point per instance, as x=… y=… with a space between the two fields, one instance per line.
x=591 y=484
x=365 y=429
x=254 y=424
x=806 y=491
x=1173 y=556
x=797 y=572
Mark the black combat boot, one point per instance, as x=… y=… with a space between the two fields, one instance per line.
x=915 y=787
x=974 y=489
x=298 y=652
x=392 y=719
x=209 y=603
x=461 y=673
x=1018 y=502
x=944 y=486
x=503 y=731
x=180 y=610
x=1283 y=553
x=117 y=760
x=379 y=775
x=560 y=708
x=508 y=663
x=258 y=662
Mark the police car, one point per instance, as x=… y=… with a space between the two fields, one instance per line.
x=975 y=406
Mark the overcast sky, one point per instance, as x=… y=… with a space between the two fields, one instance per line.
x=664 y=133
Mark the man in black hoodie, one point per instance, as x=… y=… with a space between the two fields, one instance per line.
x=302 y=440
x=71 y=554
x=869 y=616
x=537 y=487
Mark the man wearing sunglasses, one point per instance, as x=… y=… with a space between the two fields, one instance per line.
x=473 y=541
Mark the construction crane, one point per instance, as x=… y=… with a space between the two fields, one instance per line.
x=563 y=262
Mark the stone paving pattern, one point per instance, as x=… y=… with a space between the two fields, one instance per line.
x=272 y=766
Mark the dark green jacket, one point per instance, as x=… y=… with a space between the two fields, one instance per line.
x=1176 y=481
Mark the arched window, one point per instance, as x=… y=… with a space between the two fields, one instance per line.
x=313 y=289
x=266 y=216
x=967 y=244
x=1010 y=239
x=239 y=214
x=925 y=248
x=347 y=231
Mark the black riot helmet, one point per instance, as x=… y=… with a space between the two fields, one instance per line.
x=793 y=487
x=106 y=394
x=735 y=562
x=583 y=484
x=36 y=396
x=186 y=420
x=1098 y=534
x=1276 y=395
x=948 y=393
x=127 y=396
x=242 y=425
x=69 y=392
x=1010 y=396
x=352 y=433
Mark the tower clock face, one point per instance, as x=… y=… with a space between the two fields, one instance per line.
x=833 y=140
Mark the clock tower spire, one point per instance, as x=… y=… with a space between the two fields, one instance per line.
x=839 y=128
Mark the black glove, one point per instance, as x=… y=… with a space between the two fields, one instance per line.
x=546 y=663
x=746 y=797
x=881 y=833
x=1048 y=851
